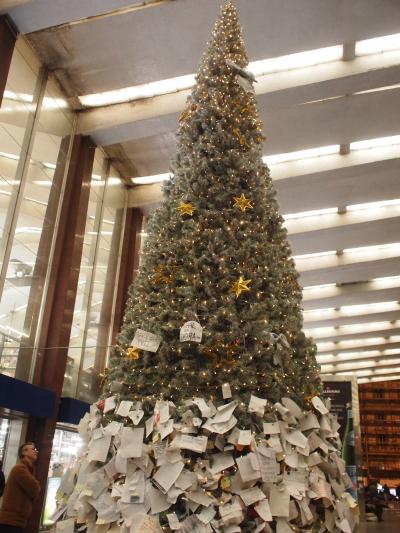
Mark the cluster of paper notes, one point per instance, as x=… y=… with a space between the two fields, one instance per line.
x=195 y=468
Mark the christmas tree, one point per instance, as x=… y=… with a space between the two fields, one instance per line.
x=210 y=418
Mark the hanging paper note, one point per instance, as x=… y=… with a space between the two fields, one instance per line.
x=191 y=332
x=226 y=391
x=144 y=340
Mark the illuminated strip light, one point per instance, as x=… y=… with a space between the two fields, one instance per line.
x=319 y=287
x=276 y=159
x=9 y=156
x=348 y=329
x=373 y=205
x=147 y=180
x=344 y=365
x=296 y=61
x=180 y=83
x=353 y=356
x=314 y=213
x=349 y=310
x=377 y=45
x=316 y=254
x=348 y=343
x=369 y=372
x=395 y=246
x=375 y=143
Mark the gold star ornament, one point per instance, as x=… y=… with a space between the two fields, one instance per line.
x=241 y=285
x=186 y=209
x=242 y=202
x=132 y=353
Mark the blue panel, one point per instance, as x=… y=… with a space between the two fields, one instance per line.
x=20 y=396
x=72 y=410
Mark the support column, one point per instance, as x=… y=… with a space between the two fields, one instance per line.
x=59 y=304
x=129 y=265
x=8 y=36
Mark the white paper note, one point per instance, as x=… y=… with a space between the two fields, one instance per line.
x=271 y=428
x=124 y=408
x=226 y=391
x=136 y=416
x=98 y=449
x=196 y=444
x=279 y=499
x=257 y=405
x=110 y=404
x=221 y=461
x=144 y=340
x=191 y=332
x=263 y=510
x=319 y=405
x=167 y=474
x=251 y=496
x=131 y=442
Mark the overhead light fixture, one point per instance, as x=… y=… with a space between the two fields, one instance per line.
x=349 y=329
x=313 y=213
x=373 y=205
x=139 y=92
x=319 y=287
x=262 y=67
x=375 y=143
x=394 y=246
x=297 y=60
x=378 y=45
x=9 y=156
x=350 y=310
x=28 y=229
x=147 y=180
x=275 y=159
x=315 y=254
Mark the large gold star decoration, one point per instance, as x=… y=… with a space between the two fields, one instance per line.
x=241 y=285
x=242 y=202
x=164 y=275
x=186 y=209
x=132 y=353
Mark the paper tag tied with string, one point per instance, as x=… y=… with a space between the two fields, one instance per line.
x=144 y=340
x=191 y=332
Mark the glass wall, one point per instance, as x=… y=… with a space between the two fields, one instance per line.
x=36 y=133
x=94 y=306
x=36 y=127
x=64 y=455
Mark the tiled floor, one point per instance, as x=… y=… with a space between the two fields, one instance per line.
x=390 y=524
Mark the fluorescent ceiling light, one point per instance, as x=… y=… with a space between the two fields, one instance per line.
x=297 y=60
x=394 y=246
x=375 y=143
x=275 y=159
x=349 y=343
x=378 y=44
x=138 y=92
x=349 y=329
x=26 y=229
x=9 y=156
x=373 y=205
x=316 y=254
x=349 y=310
x=318 y=287
x=314 y=213
x=180 y=83
x=156 y=178
x=52 y=166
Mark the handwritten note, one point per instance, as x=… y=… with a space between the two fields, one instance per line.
x=191 y=332
x=144 y=340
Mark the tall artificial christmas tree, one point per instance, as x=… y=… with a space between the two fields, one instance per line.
x=211 y=418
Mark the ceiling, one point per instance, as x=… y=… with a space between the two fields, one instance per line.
x=94 y=47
